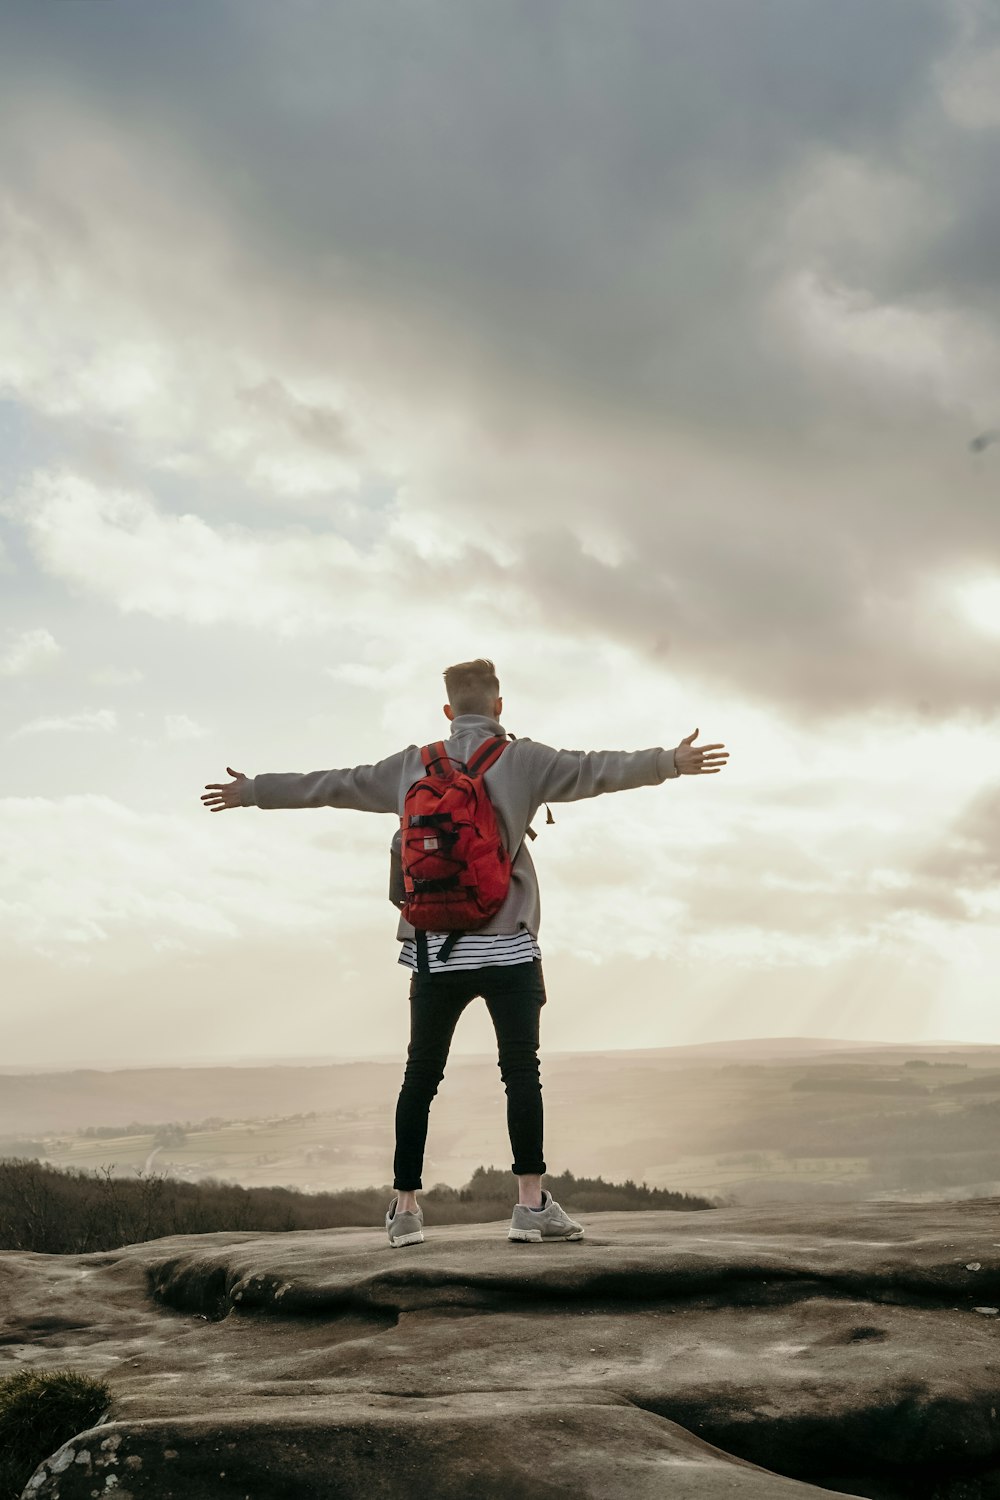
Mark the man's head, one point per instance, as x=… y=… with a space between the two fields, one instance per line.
x=473 y=689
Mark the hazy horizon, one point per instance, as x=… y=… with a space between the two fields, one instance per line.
x=749 y=1046
x=639 y=350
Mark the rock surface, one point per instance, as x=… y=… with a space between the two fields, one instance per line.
x=739 y=1353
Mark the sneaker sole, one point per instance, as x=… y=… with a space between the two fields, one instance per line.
x=535 y=1236
x=406 y=1239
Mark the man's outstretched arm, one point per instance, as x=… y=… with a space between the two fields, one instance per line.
x=571 y=775
x=365 y=788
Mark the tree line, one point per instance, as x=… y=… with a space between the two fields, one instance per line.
x=67 y=1211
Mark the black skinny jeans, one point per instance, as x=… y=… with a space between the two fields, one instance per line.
x=514 y=996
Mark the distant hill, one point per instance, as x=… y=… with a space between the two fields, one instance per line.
x=32 y=1102
x=794 y=1118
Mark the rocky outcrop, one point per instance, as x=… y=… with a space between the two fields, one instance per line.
x=742 y=1353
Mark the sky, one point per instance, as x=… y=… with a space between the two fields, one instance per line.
x=636 y=347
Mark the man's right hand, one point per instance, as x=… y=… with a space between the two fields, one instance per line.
x=223 y=794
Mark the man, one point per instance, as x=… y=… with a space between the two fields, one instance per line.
x=499 y=961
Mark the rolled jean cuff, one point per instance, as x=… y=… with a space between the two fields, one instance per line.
x=521 y=1169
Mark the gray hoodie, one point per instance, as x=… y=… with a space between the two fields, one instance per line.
x=526 y=775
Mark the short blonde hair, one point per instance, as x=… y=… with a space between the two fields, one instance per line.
x=473 y=686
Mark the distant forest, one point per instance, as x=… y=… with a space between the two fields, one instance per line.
x=66 y=1212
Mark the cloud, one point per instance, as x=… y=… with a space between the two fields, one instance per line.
x=31 y=651
x=967 y=857
x=979 y=601
x=319 y=426
x=168 y=878
x=893 y=353
x=180 y=727
x=692 y=589
x=568 y=203
x=96 y=721
x=607 y=241
x=639 y=350
x=619 y=365
x=970 y=89
x=121 y=547
x=656 y=878
x=117 y=676
x=968 y=76
x=117 y=545
x=136 y=377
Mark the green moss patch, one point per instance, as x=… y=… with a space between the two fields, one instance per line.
x=39 y=1411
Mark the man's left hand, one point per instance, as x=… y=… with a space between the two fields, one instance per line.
x=701 y=760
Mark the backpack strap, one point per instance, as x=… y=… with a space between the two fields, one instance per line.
x=437 y=755
x=444 y=952
x=423 y=961
x=487 y=755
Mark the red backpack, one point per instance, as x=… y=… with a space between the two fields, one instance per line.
x=456 y=871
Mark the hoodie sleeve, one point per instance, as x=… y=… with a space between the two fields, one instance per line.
x=365 y=788
x=571 y=775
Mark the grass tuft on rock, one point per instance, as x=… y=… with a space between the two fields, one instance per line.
x=39 y=1411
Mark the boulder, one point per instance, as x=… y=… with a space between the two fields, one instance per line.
x=739 y=1353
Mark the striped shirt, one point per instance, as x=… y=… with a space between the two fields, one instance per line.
x=474 y=950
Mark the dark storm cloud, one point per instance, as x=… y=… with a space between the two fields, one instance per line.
x=581 y=208
x=784 y=606
x=589 y=187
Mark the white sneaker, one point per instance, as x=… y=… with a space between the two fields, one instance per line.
x=546 y=1223
x=405 y=1228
